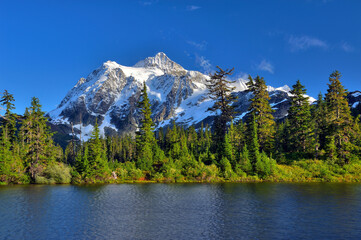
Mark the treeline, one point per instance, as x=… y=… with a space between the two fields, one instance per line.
x=316 y=142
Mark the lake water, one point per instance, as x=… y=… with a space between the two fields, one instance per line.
x=182 y=211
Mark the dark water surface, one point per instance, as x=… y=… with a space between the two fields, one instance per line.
x=182 y=211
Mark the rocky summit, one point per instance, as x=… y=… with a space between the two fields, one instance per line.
x=110 y=93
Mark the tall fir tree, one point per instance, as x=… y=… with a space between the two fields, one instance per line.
x=227 y=150
x=221 y=91
x=319 y=119
x=37 y=143
x=262 y=111
x=253 y=143
x=9 y=119
x=300 y=136
x=339 y=119
x=244 y=161
x=145 y=136
x=97 y=156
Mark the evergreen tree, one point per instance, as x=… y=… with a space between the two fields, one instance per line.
x=97 y=158
x=245 y=162
x=228 y=150
x=145 y=137
x=253 y=141
x=220 y=91
x=339 y=117
x=262 y=111
x=331 y=150
x=319 y=116
x=226 y=168
x=9 y=119
x=264 y=165
x=282 y=139
x=36 y=137
x=82 y=161
x=299 y=115
x=6 y=156
x=192 y=140
x=356 y=138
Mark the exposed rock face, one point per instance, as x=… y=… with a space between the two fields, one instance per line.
x=110 y=94
x=354 y=100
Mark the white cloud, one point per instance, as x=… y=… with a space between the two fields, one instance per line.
x=193 y=8
x=347 y=47
x=305 y=42
x=200 y=46
x=266 y=66
x=204 y=64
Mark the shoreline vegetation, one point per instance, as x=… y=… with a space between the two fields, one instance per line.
x=316 y=142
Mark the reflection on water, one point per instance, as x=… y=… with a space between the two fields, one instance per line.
x=182 y=211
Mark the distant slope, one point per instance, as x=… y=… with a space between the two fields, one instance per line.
x=110 y=93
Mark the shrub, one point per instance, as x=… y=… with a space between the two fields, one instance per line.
x=227 y=170
x=55 y=173
x=265 y=166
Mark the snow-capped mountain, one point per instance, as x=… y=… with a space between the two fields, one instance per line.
x=354 y=100
x=110 y=94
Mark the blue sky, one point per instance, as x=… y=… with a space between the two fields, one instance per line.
x=46 y=46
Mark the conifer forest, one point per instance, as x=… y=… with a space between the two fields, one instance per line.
x=319 y=141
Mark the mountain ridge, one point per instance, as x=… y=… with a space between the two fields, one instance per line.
x=110 y=93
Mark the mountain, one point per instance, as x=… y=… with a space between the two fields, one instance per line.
x=354 y=100
x=110 y=94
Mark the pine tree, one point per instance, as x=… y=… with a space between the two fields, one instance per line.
x=221 y=91
x=319 y=116
x=98 y=162
x=9 y=119
x=236 y=137
x=299 y=115
x=356 y=138
x=339 y=119
x=253 y=140
x=262 y=111
x=145 y=137
x=192 y=140
x=245 y=162
x=82 y=161
x=6 y=156
x=264 y=165
x=282 y=138
x=227 y=150
x=226 y=168
x=331 y=150
x=37 y=143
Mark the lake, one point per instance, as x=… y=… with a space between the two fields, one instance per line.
x=182 y=211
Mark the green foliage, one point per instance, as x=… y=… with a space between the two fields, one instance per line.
x=227 y=150
x=300 y=130
x=97 y=168
x=262 y=113
x=37 y=145
x=55 y=173
x=226 y=169
x=145 y=137
x=229 y=153
x=331 y=150
x=244 y=162
x=319 y=113
x=253 y=141
x=221 y=91
x=339 y=119
x=265 y=166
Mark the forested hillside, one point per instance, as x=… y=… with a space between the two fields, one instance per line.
x=315 y=142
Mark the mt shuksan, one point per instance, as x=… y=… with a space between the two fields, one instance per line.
x=110 y=94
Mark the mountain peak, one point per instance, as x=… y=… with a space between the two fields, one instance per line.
x=110 y=64
x=161 y=61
